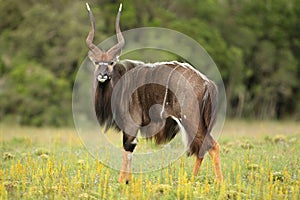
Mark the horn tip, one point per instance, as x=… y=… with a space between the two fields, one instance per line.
x=120 y=8
x=88 y=7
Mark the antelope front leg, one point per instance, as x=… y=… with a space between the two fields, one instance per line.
x=126 y=166
x=215 y=155
x=129 y=143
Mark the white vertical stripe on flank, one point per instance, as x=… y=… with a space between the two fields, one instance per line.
x=166 y=93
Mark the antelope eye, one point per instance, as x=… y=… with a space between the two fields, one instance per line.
x=96 y=63
x=112 y=63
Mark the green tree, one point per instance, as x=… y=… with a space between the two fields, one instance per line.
x=254 y=43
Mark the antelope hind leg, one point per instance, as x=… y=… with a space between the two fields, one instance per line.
x=215 y=155
x=197 y=165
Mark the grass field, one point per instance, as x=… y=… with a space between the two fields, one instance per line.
x=260 y=160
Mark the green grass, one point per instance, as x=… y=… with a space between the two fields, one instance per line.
x=260 y=160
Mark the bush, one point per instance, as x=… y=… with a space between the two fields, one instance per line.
x=34 y=96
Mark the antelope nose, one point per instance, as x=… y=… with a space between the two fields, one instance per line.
x=102 y=77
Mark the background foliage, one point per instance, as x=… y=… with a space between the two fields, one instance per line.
x=255 y=44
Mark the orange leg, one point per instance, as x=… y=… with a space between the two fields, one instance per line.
x=215 y=155
x=126 y=167
x=128 y=174
x=197 y=165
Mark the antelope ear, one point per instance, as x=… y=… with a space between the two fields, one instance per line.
x=92 y=56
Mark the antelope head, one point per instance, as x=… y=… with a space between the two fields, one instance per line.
x=104 y=62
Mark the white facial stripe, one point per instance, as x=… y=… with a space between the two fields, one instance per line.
x=102 y=63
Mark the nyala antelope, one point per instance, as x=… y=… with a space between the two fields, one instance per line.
x=108 y=70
